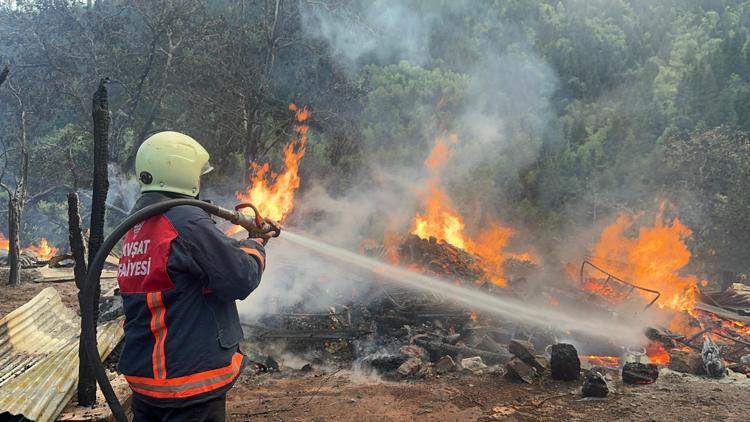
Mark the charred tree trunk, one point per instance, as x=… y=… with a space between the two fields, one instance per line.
x=75 y=237
x=100 y=114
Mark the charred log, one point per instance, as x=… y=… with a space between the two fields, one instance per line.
x=438 y=349
x=639 y=373
x=564 y=362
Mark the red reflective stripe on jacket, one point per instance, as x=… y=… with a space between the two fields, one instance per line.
x=189 y=385
x=159 y=329
x=255 y=253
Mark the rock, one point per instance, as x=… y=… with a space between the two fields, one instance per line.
x=110 y=307
x=639 y=373
x=524 y=350
x=712 y=361
x=745 y=359
x=686 y=362
x=594 y=385
x=564 y=362
x=445 y=364
x=410 y=367
x=518 y=370
x=414 y=351
x=474 y=365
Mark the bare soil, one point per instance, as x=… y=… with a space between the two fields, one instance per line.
x=342 y=395
x=13 y=297
x=323 y=396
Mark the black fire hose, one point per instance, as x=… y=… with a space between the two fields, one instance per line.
x=256 y=227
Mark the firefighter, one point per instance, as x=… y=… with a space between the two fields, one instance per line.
x=179 y=278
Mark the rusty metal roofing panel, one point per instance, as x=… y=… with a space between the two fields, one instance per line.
x=39 y=356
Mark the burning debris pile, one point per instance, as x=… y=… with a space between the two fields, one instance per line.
x=32 y=256
x=399 y=333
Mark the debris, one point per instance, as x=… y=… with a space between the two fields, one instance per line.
x=658 y=336
x=271 y=364
x=445 y=364
x=474 y=365
x=639 y=373
x=564 y=362
x=502 y=412
x=438 y=348
x=524 y=350
x=385 y=362
x=490 y=345
x=739 y=368
x=414 y=351
x=594 y=384
x=306 y=368
x=452 y=339
x=686 y=362
x=110 y=307
x=518 y=370
x=712 y=361
x=410 y=367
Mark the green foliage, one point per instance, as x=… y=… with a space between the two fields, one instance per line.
x=633 y=90
x=405 y=108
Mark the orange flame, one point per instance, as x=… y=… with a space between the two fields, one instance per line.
x=441 y=221
x=273 y=193
x=652 y=259
x=605 y=361
x=43 y=250
x=657 y=353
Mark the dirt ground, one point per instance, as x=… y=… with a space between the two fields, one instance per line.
x=13 y=297
x=342 y=395
x=323 y=396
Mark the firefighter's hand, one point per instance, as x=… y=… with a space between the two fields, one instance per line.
x=263 y=239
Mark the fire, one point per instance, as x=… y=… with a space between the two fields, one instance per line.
x=605 y=361
x=441 y=221
x=273 y=193
x=43 y=250
x=657 y=353
x=652 y=259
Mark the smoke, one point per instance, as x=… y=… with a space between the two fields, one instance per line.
x=501 y=118
x=377 y=31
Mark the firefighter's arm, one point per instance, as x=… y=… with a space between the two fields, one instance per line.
x=232 y=268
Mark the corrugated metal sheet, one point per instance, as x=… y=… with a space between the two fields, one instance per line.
x=39 y=356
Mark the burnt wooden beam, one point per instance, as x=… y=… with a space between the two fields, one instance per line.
x=438 y=349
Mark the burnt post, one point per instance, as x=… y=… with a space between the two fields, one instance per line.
x=75 y=237
x=100 y=114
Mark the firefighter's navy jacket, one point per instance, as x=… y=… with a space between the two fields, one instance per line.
x=179 y=277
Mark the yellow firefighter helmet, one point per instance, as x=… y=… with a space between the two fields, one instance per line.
x=171 y=162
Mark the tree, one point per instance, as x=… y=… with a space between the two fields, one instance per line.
x=18 y=191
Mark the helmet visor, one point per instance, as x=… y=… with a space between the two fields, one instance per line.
x=206 y=168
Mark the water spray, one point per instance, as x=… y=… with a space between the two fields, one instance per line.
x=259 y=227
